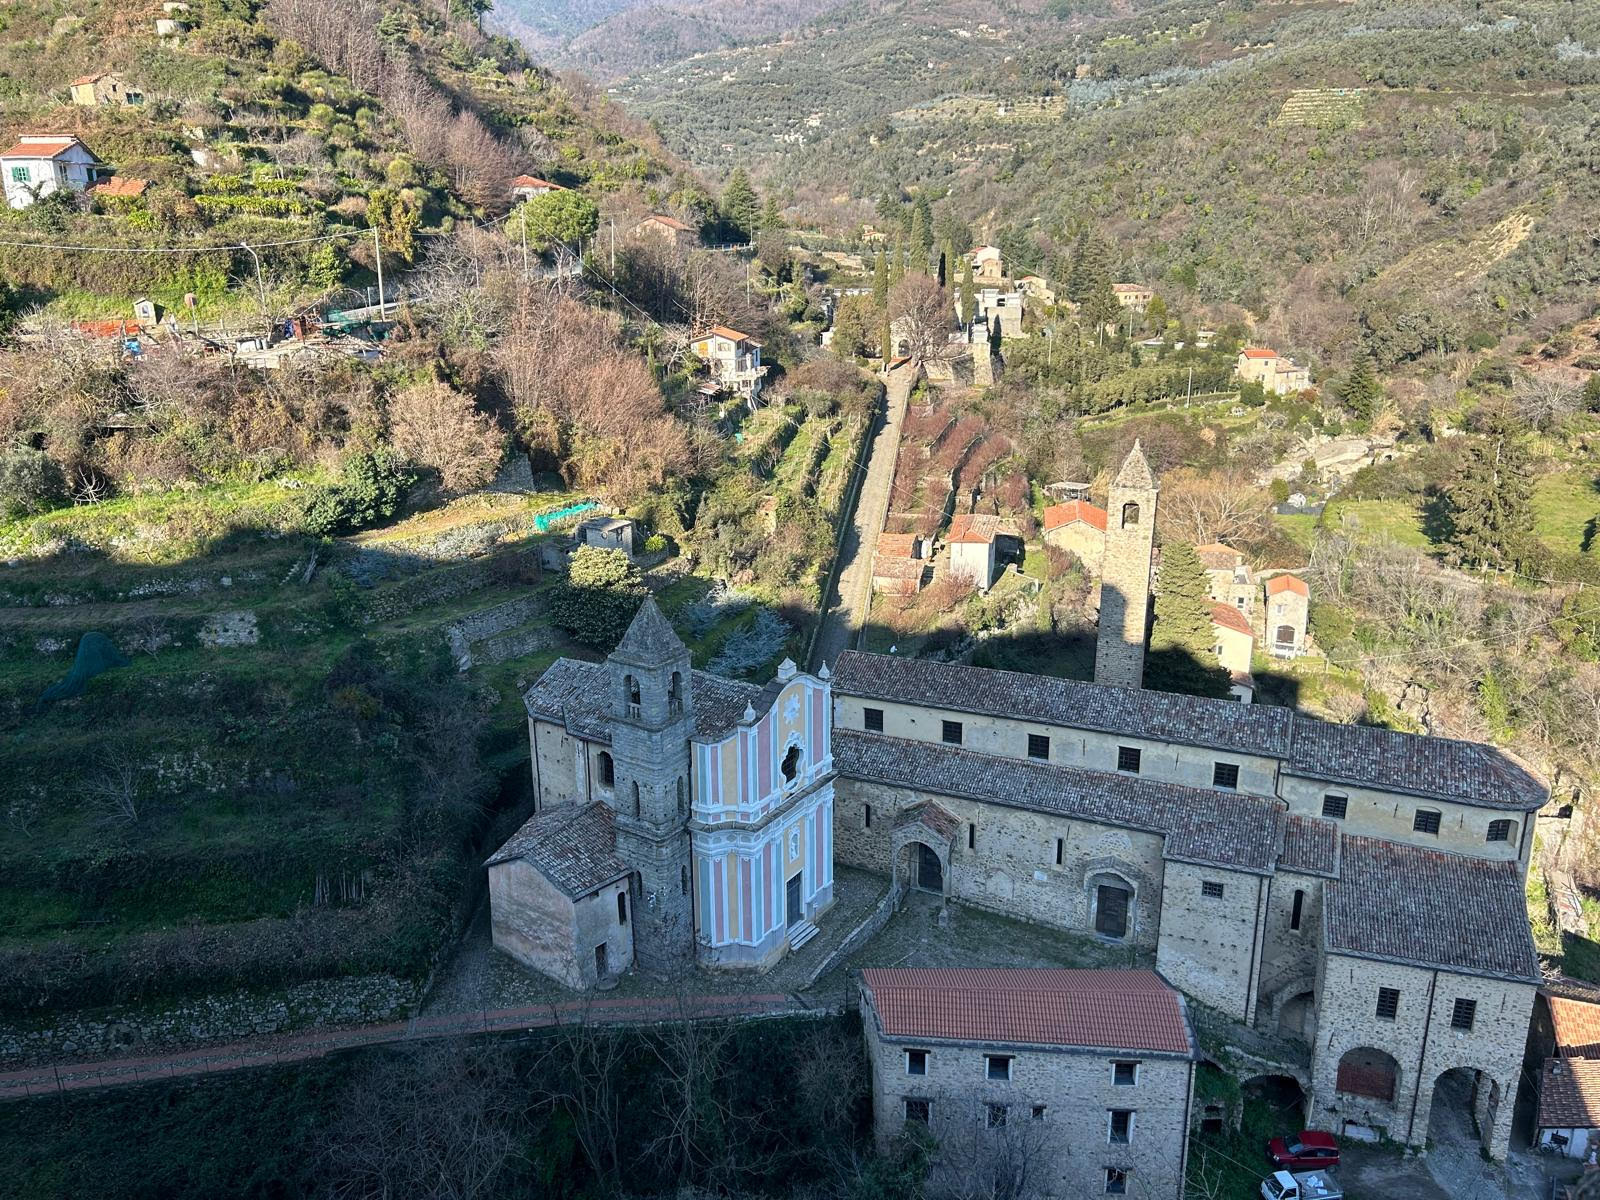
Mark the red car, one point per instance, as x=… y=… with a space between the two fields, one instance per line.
x=1304 y=1151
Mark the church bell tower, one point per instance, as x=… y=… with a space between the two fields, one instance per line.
x=1125 y=576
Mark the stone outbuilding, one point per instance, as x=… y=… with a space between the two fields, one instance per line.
x=1288 y=614
x=1569 y=1108
x=1081 y=1081
x=667 y=230
x=1079 y=527
x=610 y=533
x=88 y=91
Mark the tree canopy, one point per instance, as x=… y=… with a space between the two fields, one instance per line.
x=1181 y=657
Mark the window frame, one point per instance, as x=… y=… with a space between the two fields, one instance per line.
x=1221 y=771
x=1125 y=754
x=1212 y=889
x=1464 y=1007
x=1132 y=1067
x=906 y=1103
x=990 y=1061
x=947 y=728
x=1111 y=1126
x=622 y=907
x=1423 y=818
x=996 y=1115
x=1335 y=800
x=1499 y=831
x=872 y=719
x=922 y=1058
x=1389 y=998
x=1297 y=908
x=866 y=816
x=1035 y=741
x=1117 y=1181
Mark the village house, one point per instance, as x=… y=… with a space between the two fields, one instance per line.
x=1234 y=646
x=1037 y=287
x=988 y=265
x=526 y=187
x=39 y=164
x=1274 y=372
x=667 y=230
x=733 y=358
x=1035 y=1082
x=897 y=564
x=1228 y=577
x=1133 y=295
x=1565 y=1050
x=91 y=90
x=1079 y=527
x=680 y=817
x=1288 y=615
x=975 y=542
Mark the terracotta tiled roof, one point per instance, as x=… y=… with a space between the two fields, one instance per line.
x=574 y=846
x=896 y=545
x=1406 y=762
x=82 y=79
x=577 y=694
x=1126 y=288
x=726 y=331
x=670 y=222
x=1577 y=1023
x=1201 y=825
x=1310 y=845
x=1158 y=716
x=1431 y=909
x=1134 y=1011
x=979 y=528
x=1217 y=557
x=122 y=185
x=533 y=181
x=894 y=567
x=1058 y=515
x=1569 y=1094
x=42 y=147
x=1259 y=352
x=1287 y=583
x=1229 y=617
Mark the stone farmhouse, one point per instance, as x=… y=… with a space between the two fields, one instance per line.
x=1357 y=890
x=40 y=164
x=1079 y=1081
x=1273 y=371
x=666 y=229
x=88 y=91
x=1288 y=615
x=1080 y=527
x=988 y=264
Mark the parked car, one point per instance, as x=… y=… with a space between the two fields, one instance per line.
x=1305 y=1151
x=1308 y=1185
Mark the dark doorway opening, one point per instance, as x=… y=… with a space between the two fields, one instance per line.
x=794 y=906
x=930 y=871
x=1111 y=910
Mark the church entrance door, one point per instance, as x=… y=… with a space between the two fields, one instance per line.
x=794 y=905
x=1111 y=911
x=930 y=871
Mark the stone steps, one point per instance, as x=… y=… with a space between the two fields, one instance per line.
x=800 y=933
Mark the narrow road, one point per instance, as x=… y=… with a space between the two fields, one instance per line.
x=315 y=1043
x=851 y=599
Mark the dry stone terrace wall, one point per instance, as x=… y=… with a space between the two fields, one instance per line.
x=228 y=1016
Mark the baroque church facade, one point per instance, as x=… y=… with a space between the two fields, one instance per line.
x=1354 y=894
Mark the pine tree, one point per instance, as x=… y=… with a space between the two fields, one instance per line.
x=741 y=207
x=880 y=281
x=1361 y=392
x=1488 y=499
x=1181 y=658
x=771 y=216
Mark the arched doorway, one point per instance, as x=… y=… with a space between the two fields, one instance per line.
x=1462 y=1109
x=1111 y=906
x=924 y=868
x=1274 y=1101
x=1297 y=1018
x=1369 y=1073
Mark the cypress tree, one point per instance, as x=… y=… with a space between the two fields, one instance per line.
x=897 y=262
x=880 y=281
x=1490 y=519
x=1181 y=657
x=969 y=295
x=921 y=234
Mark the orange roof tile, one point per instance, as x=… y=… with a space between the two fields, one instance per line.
x=1287 y=583
x=87 y=78
x=1229 y=617
x=121 y=185
x=1259 y=352
x=726 y=331
x=977 y=528
x=1577 y=1026
x=45 y=147
x=533 y=181
x=669 y=222
x=907 y=569
x=896 y=545
x=1057 y=515
x=1569 y=1094
x=1027 y=1006
x=1218 y=557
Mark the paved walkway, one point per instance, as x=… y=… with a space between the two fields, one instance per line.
x=288 y=1048
x=851 y=599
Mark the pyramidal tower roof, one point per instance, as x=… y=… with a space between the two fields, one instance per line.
x=650 y=638
x=1135 y=472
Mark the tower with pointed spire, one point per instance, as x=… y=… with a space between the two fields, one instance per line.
x=1125 y=575
x=652 y=708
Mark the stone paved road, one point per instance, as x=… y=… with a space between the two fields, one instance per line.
x=851 y=600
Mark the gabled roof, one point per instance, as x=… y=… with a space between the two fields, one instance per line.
x=1125 y=288
x=896 y=545
x=574 y=846
x=1229 y=617
x=1217 y=557
x=44 y=147
x=1569 y=1094
x=1058 y=515
x=1287 y=583
x=1427 y=908
x=1259 y=352
x=726 y=331
x=670 y=222
x=533 y=181
x=1135 y=471
x=577 y=694
x=83 y=79
x=1031 y=1006
x=1310 y=845
x=979 y=529
x=1575 y=1018
x=891 y=567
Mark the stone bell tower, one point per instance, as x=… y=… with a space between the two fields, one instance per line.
x=1125 y=576
x=652 y=720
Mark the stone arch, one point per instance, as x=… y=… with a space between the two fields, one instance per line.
x=1112 y=904
x=1368 y=1073
x=631 y=696
x=1463 y=1110
x=923 y=867
x=606 y=769
x=1284 y=1095
x=675 y=694
x=1288 y=1007
x=1297 y=1016
x=1130 y=515
x=1109 y=870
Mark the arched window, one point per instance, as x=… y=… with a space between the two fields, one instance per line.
x=608 y=770
x=791 y=764
x=622 y=908
x=1130 y=515
x=675 y=694
x=636 y=807
x=632 y=686
x=683 y=806
x=1285 y=635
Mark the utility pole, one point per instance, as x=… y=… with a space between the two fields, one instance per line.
x=261 y=286
x=524 y=246
x=377 y=257
x=613 y=226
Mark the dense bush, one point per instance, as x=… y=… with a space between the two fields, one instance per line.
x=29 y=483
x=370 y=491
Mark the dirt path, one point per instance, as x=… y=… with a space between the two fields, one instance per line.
x=269 y=1051
x=851 y=599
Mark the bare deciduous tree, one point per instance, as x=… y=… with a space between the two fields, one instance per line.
x=1219 y=507
x=997 y=1152
x=920 y=318
x=436 y=426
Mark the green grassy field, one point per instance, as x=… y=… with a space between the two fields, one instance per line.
x=1566 y=509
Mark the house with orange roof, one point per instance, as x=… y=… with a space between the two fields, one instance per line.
x=526 y=187
x=1136 y=296
x=39 y=164
x=1273 y=371
x=733 y=358
x=1229 y=579
x=897 y=564
x=988 y=264
x=1079 y=527
x=975 y=541
x=88 y=91
x=1288 y=615
x=667 y=230
x=1234 y=643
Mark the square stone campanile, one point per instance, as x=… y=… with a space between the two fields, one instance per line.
x=652 y=721
x=1125 y=575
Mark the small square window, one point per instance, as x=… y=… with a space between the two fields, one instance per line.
x=996 y=1116
x=1124 y=1074
x=1426 y=821
x=1116 y=1181
x=1388 y=1002
x=1499 y=831
x=1225 y=775
x=1121 y=1126
x=916 y=1062
x=1335 y=807
x=1463 y=1014
x=1128 y=759
x=1038 y=1112
x=918 y=1110
x=997 y=1066
x=1211 y=889
x=872 y=718
x=952 y=733
x=1038 y=746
